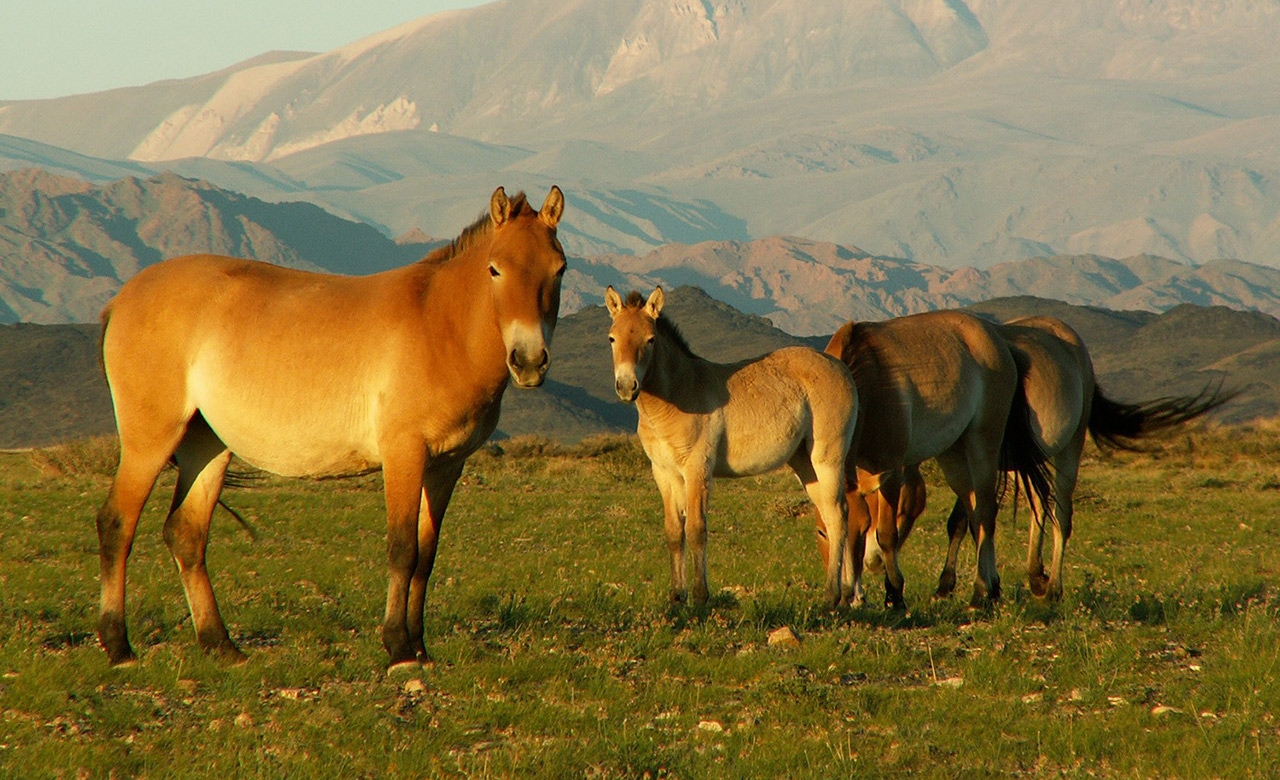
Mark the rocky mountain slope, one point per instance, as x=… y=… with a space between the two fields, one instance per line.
x=51 y=388
x=66 y=246
x=948 y=132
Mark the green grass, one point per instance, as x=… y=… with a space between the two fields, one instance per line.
x=556 y=654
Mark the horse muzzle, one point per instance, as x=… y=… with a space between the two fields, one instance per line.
x=528 y=371
x=627 y=388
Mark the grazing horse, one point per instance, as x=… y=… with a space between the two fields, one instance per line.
x=700 y=420
x=938 y=385
x=306 y=374
x=1064 y=404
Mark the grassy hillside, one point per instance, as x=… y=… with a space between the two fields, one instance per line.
x=556 y=655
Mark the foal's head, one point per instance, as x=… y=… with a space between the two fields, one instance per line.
x=526 y=266
x=632 y=337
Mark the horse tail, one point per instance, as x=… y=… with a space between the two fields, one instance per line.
x=1022 y=456
x=1120 y=426
x=105 y=319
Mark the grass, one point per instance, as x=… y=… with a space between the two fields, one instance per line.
x=556 y=655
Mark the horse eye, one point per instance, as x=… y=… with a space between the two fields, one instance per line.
x=562 y=269
x=493 y=271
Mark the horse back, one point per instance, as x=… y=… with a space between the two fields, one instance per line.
x=924 y=381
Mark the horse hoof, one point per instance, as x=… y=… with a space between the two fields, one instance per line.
x=404 y=668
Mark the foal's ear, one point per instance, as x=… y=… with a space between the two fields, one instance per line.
x=499 y=207
x=612 y=301
x=552 y=207
x=654 y=305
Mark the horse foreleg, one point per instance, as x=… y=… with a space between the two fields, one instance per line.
x=117 y=523
x=957 y=529
x=697 y=490
x=437 y=489
x=402 y=476
x=858 y=524
x=671 y=488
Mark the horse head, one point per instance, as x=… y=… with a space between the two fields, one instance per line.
x=526 y=267
x=632 y=337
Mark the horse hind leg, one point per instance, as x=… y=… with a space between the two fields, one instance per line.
x=202 y=465
x=144 y=452
x=1063 y=492
x=824 y=480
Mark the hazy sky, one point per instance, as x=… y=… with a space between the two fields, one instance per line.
x=50 y=48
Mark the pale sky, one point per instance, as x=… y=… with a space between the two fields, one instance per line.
x=51 y=48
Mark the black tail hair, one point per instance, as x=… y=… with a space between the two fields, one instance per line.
x=1121 y=426
x=1021 y=455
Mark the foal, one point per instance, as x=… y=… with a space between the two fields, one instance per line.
x=700 y=420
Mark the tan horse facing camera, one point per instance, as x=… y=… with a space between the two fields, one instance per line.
x=306 y=374
x=700 y=420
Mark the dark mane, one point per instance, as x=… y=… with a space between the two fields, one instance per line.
x=664 y=324
x=481 y=228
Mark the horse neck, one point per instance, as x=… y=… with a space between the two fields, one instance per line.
x=675 y=372
x=459 y=300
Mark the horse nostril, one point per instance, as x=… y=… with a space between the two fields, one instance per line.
x=545 y=361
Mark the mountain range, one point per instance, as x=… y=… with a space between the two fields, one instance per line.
x=945 y=132
x=52 y=390
x=67 y=245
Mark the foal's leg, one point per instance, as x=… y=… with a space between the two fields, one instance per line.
x=202 y=465
x=824 y=481
x=671 y=486
x=143 y=453
x=402 y=477
x=697 y=487
x=437 y=489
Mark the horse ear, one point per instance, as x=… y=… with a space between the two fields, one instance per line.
x=654 y=306
x=552 y=207
x=499 y=207
x=612 y=301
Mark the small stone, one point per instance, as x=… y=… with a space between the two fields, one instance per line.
x=1160 y=710
x=244 y=720
x=414 y=685
x=950 y=682
x=1031 y=698
x=783 y=637
x=713 y=726
x=1075 y=695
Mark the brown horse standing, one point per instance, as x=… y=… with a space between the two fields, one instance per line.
x=1064 y=404
x=938 y=385
x=700 y=420
x=312 y=374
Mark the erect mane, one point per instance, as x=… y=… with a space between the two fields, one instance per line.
x=471 y=234
x=664 y=324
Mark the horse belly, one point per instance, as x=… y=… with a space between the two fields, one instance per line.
x=292 y=430
x=760 y=443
